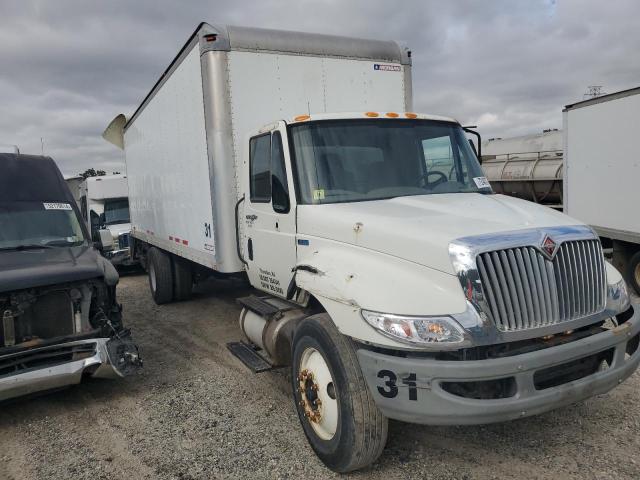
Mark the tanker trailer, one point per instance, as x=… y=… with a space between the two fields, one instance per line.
x=527 y=167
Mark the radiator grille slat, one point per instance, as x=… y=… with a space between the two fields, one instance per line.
x=537 y=309
x=524 y=289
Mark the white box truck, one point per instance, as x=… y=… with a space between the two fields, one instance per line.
x=387 y=274
x=104 y=205
x=602 y=173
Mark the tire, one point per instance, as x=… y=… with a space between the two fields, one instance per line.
x=633 y=271
x=346 y=430
x=182 y=278
x=160 y=276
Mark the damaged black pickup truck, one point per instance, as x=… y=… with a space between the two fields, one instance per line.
x=59 y=318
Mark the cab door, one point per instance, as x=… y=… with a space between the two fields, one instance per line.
x=269 y=213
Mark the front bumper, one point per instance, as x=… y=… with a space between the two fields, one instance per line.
x=119 y=257
x=60 y=365
x=410 y=389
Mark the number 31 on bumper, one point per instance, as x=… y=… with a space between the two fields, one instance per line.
x=390 y=389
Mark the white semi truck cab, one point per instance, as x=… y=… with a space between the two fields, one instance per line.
x=388 y=275
x=104 y=205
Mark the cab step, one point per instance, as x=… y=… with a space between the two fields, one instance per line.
x=248 y=355
x=266 y=306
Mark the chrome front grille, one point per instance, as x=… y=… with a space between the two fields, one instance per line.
x=524 y=289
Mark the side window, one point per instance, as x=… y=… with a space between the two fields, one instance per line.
x=279 y=187
x=441 y=161
x=438 y=154
x=260 y=168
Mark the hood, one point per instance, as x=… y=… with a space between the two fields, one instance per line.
x=420 y=228
x=118 y=229
x=37 y=268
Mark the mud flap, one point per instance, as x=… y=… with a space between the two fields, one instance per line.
x=123 y=354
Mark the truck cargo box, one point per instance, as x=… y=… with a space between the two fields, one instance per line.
x=602 y=167
x=184 y=143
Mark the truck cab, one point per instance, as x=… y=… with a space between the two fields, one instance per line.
x=60 y=319
x=104 y=203
x=445 y=302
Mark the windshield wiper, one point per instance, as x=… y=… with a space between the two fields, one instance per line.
x=34 y=246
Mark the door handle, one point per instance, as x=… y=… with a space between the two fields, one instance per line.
x=250 y=249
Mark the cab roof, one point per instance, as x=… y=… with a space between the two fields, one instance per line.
x=371 y=115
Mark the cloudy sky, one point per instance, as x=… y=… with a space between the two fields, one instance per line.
x=68 y=67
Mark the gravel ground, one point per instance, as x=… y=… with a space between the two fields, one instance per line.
x=196 y=412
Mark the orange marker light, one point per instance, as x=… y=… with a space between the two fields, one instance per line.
x=392 y=115
x=371 y=114
x=301 y=118
x=410 y=115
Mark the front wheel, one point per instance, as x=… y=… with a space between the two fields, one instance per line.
x=339 y=417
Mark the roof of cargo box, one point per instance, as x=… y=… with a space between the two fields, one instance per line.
x=262 y=39
x=603 y=98
x=227 y=38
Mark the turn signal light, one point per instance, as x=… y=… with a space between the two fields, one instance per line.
x=301 y=118
x=372 y=114
x=411 y=115
x=392 y=115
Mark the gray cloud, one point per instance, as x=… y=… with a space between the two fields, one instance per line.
x=68 y=67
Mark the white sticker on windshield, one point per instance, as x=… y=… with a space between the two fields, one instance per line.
x=481 y=182
x=57 y=206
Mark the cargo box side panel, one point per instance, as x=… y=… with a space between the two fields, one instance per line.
x=266 y=87
x=602 y=165
x=100 y=188
x=168 y=168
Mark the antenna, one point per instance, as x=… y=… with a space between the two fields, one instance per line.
x=42 y=146
x=308 y=108
x=593 y=91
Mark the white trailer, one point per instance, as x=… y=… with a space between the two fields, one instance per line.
x=602 y=173
x=388 y=275
x=104 y=204
x=74 y=183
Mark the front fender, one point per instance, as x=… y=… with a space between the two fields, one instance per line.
x=345 y=278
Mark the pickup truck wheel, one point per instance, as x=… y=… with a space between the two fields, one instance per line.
x=633 y=272
x=182 y=278
x=339 y=417
x=160 y=277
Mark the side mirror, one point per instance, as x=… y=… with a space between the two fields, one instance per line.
x=477 y=151
x=94 y=223
x=105 y=240
x=102 y=219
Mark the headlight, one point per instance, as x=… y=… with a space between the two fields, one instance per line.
x=417 y=330
x=618 y=297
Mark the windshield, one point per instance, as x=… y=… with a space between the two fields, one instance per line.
x=116 y=210
x=30 y=224
x=357 y=160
